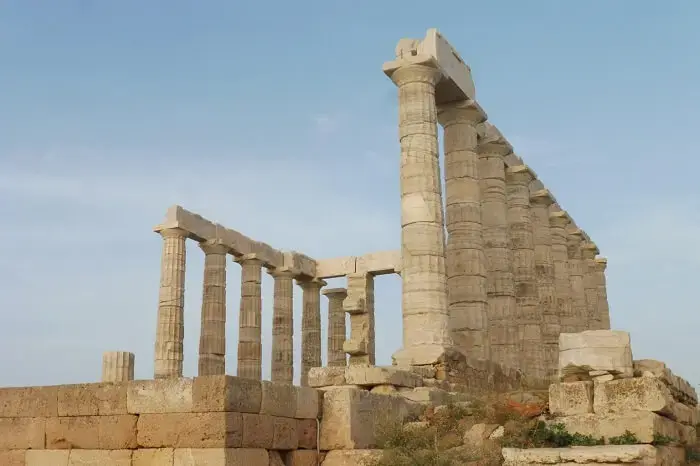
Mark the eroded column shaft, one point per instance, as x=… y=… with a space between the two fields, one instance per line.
x=117 y=366
x=590 y=285
x=336 y=326
x=310 y=326
x=465 y=258
x=558 y=221
x=249 y=324
x=578 y=294
x=359 y=304
x=603 y=306
x=171 y=303
x=283 y=327
x=212 y=338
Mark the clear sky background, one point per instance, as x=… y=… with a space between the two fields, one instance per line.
x=274 y=119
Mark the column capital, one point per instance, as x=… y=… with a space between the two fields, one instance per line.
x=576 y=234
x=460 y=111
x=491 y=141
x=311 y=284
x=601 y=264
x=248 y=259
x=589 y=250
x=412 y=72
x=281 y=272
x=520 y=174
x=559 y=218
x=335 y=293
x=542 y=197
x=213 y=247
x=172 y=233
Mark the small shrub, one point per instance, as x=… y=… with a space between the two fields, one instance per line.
x=663 y=440
x=692 y=455
x=540 y=435
x=628 y=438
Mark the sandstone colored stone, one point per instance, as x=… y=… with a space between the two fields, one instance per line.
x=335 y=267
x=91 y=432
x=99 y=458
x=595 y=350
x=226 y=393
x=609 y=454
x=426 y=395
x=17 y=458
x=190 y=430
x=680 y=388
x=159 y=396
x=153 y=457
x=326 y=376
x=636 y=394
x=258 y=431
x=307 y=432
x=384 y=390
x=284 y=434
x=308 y=401
x=478 y=433
x=29 y=402
x=92 y=399
x=566 y=399
x=351 y=457
x=22 y=433
x=275 y=458
x=278 y=399
x=221 y=457
x=45 y=458
x=351 y=417
x=302 y=458
x=375 y=375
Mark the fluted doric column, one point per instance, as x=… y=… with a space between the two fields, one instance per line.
x=336 y=326
x=502 y=326
x=250 y=317
x=170 y=331
x=465 y=259
x=603 y=306
x=424 y=279
x=578 y=294
x=310 y=326
x=283 y=326
x=590 y=285
x=117 y=366
x=212 y=337
x=558 y=221
x=540 y=201
x=522 y=245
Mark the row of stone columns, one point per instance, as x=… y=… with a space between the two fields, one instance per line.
x=212 y=343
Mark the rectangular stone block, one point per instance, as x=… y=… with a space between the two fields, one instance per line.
x=431 y=395
x=17 y=458
x=307 y=402
x=190 y=430
x=351 y=457
x=335 y=267
x=227 y=393
x=608 y=454
x=22 y=433
x=221 y=457
x=637 y=394
x=642 y=423
x=159 y=396
x=681 y=389
x=300 y=263
x=92 y=399
x=99 y=458
x=284 y=434
x=375 y=375
x=351 y=417
x=566 y=399
x=258 y=431
x=278 y=399
x=326 y=376
x=379 y=263
x=91 y=432
x=301 y=458
x=595 y=350
x=307 y=431
x=29 y=401
x=153 y=457
x=47 y=457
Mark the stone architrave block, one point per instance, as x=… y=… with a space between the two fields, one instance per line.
x=269 y=255
x=352 y=416
x=22 y=433
x=566 y=399
x=351 y=457
x=278 y=399
x=595 y=350
x=221 y=457
x=326 y=376
x=335 y=267
x=308 y=403
x=29 y=402
x=99 y=457
x=226 y=393
x=643 y=424
x=615 y=454
x=379 y=263
x=159 y=396
x=153 y=457
x=376 y=375
x=190 y=430
x=92 y=399
x=300 y=264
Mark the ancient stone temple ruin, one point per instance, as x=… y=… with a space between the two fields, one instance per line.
x=501 y=290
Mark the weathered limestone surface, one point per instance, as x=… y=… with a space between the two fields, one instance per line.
x=359 y=304
x=283 y=326
x=117 y=366
x=310 y=326
x=608 y=454
x=424 y=292
x=529 y=317
x=558 y=221
x=249 y=325
x=351 y=457
x=578 y=293
x=502 y=325
x=465 y=260
x=680 y=388
x=375 y=263
x=171 y=303
x=544 y=271
x=595 y=350
x=566 y=399
x=212 y=339
x=336 y=326
x=590 y=285
x=601 y=264
x=159 y=396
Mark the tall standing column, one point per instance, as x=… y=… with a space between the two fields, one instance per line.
x=283 y=326
x=249 y=334
x=522 y=245
x=424 y=280
x=590 y=285
x=336 y=326
x=578 y=294
x=171 y=304
x=310 y=326
x=558 y=221
x=603 y=306
x=544 y=271
x=503 y=329
x=212 y=337
x=465 y=260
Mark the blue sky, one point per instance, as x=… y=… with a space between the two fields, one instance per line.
x=274 y=118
